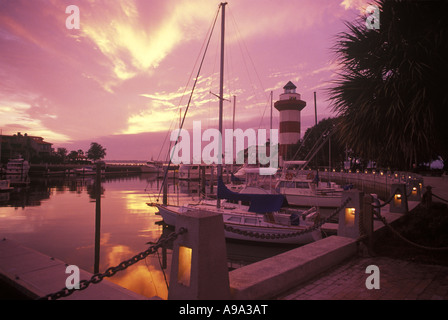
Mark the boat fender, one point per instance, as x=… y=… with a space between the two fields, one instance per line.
x=310 y=176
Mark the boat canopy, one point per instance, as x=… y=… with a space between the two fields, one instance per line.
x=259 y=203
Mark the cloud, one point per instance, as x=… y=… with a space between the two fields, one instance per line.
x=133 y=45
x=360 y=5
x=123 y=72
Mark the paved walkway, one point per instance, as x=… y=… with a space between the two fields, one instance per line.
x=398 y=279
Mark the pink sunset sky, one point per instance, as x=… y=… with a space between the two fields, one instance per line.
x=121 y=79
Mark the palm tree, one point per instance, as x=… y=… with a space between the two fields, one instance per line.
x=96 y=151
x=392 y=93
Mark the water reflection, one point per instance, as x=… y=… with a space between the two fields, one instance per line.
x=58 y=217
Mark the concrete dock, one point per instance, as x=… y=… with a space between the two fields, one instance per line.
x=399 y=280
x=35 y=275
x=271 y=278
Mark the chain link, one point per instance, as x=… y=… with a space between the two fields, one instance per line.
x=439 y=197
x=110 y=272
x=384 y=221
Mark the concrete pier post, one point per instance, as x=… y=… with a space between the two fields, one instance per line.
x=399 y=203
x=415 y=190
x=199 y=264
x=366 y=220
x=350 y=215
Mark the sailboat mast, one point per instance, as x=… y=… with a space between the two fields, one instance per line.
x=221 y=90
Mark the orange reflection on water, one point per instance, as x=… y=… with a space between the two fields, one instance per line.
x=143 y=277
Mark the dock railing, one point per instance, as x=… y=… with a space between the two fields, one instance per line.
x=376 y=182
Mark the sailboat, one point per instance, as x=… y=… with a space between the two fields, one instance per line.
x=251 y=214
x=303 y=189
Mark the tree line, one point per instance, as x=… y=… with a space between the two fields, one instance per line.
x=391 y=94
x=94 y=153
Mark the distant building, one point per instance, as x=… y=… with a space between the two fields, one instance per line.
x=29 y=147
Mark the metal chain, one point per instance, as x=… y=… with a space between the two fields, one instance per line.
x=263 y=235
x=439 y=197
x=96 y=278
x=384 y=221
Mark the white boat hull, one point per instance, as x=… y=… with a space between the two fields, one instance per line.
x=271 y=234
x=259 y=232
x=310 y=200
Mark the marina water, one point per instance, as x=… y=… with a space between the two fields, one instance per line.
x=57 y=217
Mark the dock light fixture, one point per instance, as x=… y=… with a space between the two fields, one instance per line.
x=400 y=197
x=184 y=272
x=350 y=216
x=397 y=199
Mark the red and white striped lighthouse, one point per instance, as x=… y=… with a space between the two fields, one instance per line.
x=289 y=107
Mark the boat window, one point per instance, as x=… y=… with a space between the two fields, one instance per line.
x=290 y=184
x=234 y=219
x=302 y=185
x=250 y=220
x=194 y=167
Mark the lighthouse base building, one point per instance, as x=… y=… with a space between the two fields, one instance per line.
x=289 y=107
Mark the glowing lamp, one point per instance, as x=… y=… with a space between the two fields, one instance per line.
x=397 y=199
x=350 y=216
x=184 y=272
x=414 y=191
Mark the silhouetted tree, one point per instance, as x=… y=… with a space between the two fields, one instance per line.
x=392 y=94
x=96 y=151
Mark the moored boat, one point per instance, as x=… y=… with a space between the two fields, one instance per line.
x=17 y=171
x=253 y=217
x=303 y=189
